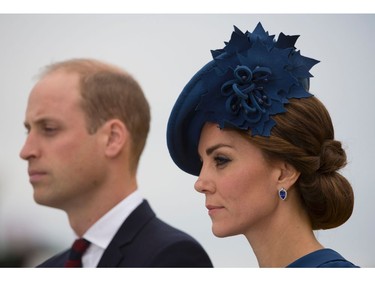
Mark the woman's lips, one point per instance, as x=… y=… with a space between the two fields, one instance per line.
x=213 y=209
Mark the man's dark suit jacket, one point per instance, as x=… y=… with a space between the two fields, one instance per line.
x=143 y=240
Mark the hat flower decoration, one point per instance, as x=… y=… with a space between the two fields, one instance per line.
x=253 y=77
x=247 y=82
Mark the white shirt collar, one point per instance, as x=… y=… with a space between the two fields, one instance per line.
x=102 y=232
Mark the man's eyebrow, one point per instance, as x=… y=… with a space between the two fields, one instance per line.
x=39 y=121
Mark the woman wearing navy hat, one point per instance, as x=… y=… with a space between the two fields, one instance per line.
x=264 y=150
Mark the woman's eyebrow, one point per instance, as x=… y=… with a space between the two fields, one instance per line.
x=214 y=147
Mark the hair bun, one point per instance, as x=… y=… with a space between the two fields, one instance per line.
x=332 y=157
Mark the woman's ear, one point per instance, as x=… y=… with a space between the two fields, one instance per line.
x=288 y=175
x=117 y=137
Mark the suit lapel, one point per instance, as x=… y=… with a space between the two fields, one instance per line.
x=114 y=253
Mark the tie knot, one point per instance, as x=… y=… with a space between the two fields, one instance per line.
x=79 y=247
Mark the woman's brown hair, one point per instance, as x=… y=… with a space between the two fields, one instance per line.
x=304 y=137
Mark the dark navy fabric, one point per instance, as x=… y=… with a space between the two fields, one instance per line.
x=322 y=258
x=145 y=241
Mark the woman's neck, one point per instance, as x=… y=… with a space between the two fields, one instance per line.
x=283 y=238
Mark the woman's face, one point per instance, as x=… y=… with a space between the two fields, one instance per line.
x=240 y=186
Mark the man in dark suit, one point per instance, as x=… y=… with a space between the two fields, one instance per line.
x=87 y=124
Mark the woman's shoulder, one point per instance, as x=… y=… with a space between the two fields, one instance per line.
x=322 y=258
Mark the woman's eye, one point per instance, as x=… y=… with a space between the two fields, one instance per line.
x=221 y=161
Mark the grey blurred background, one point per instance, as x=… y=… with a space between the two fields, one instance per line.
x=163 y=51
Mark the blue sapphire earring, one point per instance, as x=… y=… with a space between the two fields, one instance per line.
x=283 y=193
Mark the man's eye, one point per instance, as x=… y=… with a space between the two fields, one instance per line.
x=49 y=130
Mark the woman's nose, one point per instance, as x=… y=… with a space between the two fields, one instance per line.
x=203 y=184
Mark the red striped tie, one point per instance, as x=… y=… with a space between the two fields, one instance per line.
x=76 y=252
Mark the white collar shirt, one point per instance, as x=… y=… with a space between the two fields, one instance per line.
x=102 y=232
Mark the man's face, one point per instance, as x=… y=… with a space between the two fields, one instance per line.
x=65 y=163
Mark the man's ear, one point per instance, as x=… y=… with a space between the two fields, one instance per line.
x=288 y=175
x=117 y=136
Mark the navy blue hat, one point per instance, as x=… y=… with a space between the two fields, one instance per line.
x=246 y=83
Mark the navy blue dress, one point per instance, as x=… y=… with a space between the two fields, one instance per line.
x=322 y=258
